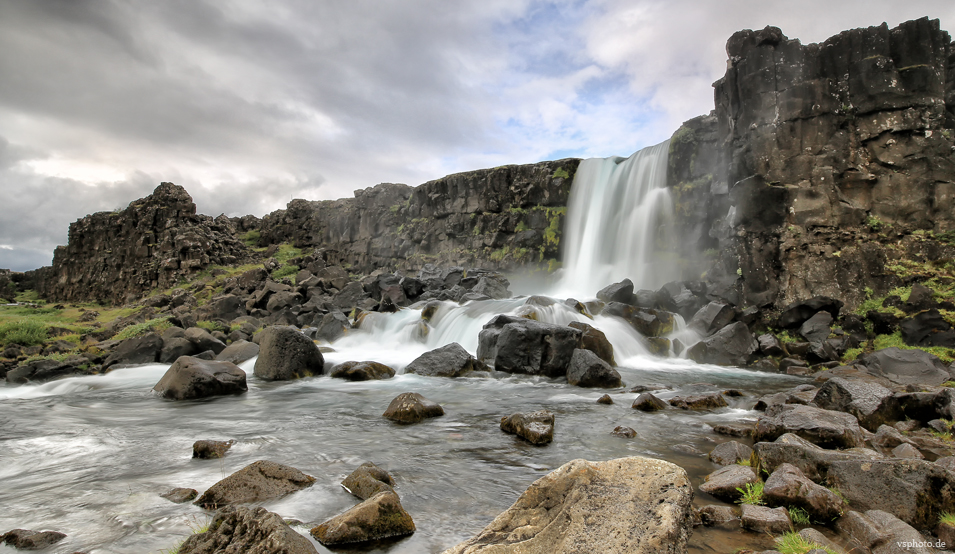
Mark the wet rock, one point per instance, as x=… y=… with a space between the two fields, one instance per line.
x=711 y=318
x=623 y=506
x=378 y=517
x=730 y=452
x=174 y=347
x=761 y=519
x=770 y=345
x=519 y=345
x=725 y=482
x=880 y=532
x=787 y=486
x=588 y=370
x=907 y=367
x=826 y=428
x=257 y=482
x=816 y=329
x=915 y=491
x=191 y=378
x=367 y=481
x=605 y=399
x=249 y=531
x=333 y=326
x=180 y=495
x=287 y=354
x=361 y=371
x=208 y=450
x=719 y=516
x=812 y=460
x=451 y=360
x=492 y=287
x=45 y=370
x=139 y=350
x=411 y=407
x=623 y=432
x=203 y=340
x=238 y=352
x=927 y=328
x=647 y=322
x=707 y=401
x=797 y=313
x=595 y=340
x=733 y=429
x=617 y=292
x=535 y=427
x=647 y=402
x=871 y=403
x=907 y=451
x=31 y=540
x=730 y=346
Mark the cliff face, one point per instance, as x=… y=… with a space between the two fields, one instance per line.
x=155 y=242
x=823 y=164
x=499 y=218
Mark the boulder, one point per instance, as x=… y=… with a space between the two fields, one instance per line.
x=719 y=516
x=647 y=402
x=138 y=350
x=519 y=345
x=492 y=287
x=705 y=401
x=248 y=530
x=174 y=347
x=623 y=506
x=595 y=340
x=535 y=427
x=192 y=377
x=761 y=519
x=180 y=495
x=907 y=451
x=223 y=308
x=797 y=313
x=207 y=450
x=623 y=432
x=907 y=367
x=730 y=346
x=451 y=360
x=378 y=517
x=23 y=539
x=605 y=399
x=333 y=326
x=411 y=407
x=871 y=403
x=45 y=369
x=726 y=483
x=617 y=292
x=816 y=329
x=881 y=533
x=367 y=481
x=927 y=328
x=647 y=322
x=238 y=352
x=588 y=370
x=203 y=340
x=711 y=318
x=812 y=460
x=787 y=486
x=770 y=345
x=257 y=482
x=730 y=453
x=361 y=371
x=826 y=428
x=287 y=354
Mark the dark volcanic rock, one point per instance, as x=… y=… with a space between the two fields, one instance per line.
x=451 y=360
x=588 y=370
x=825 y=428
x=31 y=540
x=207 y=450
x=411 y=407
x=797 y=313
x=249 y=531
x=367 y=481
x=711 y=318
x=812 y=460
x=787 y=486
x=647 y=402
x=192 y=377
x=139 y=350
x=617 y=292
x=180 y=495
x=287 y=354
x=623 y=432
x=378 y=517
x=535 y=427
x=518 y=345
x=725 y=483
x=732 y=345
x=907 y=367
x=879 y=531
x=730 y=452
x=871 y=403
x=361 y=371
x=927 y=328
x=256 y=482
x=238 y=352
x=204 y=340
x=706 y=401
x=595 y=340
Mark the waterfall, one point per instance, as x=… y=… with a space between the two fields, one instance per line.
x=617 y=218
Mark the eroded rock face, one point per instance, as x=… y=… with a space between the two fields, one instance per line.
x=378 y=517
x=247 y=530
x=628 y=505
x=256 y=482
x=195 y=378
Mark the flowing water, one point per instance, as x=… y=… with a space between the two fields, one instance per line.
x=89 y=456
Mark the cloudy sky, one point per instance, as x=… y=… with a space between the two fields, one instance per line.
x=249 y=104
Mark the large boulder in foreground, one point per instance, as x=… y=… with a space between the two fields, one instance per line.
x=880 y=532
x=194 y=378
x=451 y=360
x=907 y=367
x=247 y=530
x=730 y=346
x=519 y=345
x=826 y=428
x=628 y=505
x=285 y=353
x=256 y=482
x=379 y=517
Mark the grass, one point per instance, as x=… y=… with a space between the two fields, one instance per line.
x=947 y=518
x=213 y=326
x=25 y=332
x=251 y=238
x=794 y=543
x=197 y=529
x=752 y=493
x=798 y=515
x=285 y=271
x=747 y=462
x=947 y=355
x=157 y=325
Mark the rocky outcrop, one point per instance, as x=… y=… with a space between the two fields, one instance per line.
x=156 y=242
x=628 y=505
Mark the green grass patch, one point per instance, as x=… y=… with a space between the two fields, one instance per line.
x=794 y=543
x=947 y=355
x=286 y=252
x=251 y=238
x=285 y=271
x=25 y=332
x=798 y=515
x=561 y=173
x=157 y=325
x=947 y=518
x=752 y=493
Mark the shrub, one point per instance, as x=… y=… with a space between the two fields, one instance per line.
x=24 y=332
x=947 y=518
x=157 y=325
x=798 y=515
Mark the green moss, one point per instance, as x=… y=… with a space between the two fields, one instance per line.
x=947 y=355
x=157 y=325
x=561 y=173
x=500 y=254
x=521 y=226
x=251 y=238
x=213 y=326
x=875 y=224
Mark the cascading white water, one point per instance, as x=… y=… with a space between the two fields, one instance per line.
x=619 y=210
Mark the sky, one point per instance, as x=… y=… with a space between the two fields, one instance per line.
x=250 y=104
